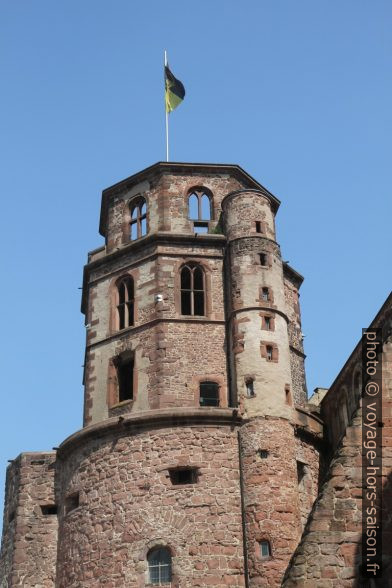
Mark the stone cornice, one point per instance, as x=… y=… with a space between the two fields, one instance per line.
x=136 y=329
x=157 y=238
x=149 y=420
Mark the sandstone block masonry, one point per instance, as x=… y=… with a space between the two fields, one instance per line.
x=199 y=461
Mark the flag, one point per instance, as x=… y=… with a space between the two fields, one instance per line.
x=174 y=91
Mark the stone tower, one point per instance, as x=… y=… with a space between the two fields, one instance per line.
x=198 y=461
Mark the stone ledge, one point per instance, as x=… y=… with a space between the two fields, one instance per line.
x=308 y=423
x=151 y=419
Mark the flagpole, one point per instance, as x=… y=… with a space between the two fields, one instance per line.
x=167 y=115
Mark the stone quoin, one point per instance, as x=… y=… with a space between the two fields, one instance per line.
x=201 y=461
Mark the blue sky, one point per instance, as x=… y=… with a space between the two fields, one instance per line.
x=297 y=93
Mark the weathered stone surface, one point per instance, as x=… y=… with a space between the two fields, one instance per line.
x=265 y=472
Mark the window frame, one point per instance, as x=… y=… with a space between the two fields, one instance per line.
x=151 y=581
x=200 y=222
x=266 y=543
x=137 y=204
x=128 y=305
x=217 y=390
x=191 y=267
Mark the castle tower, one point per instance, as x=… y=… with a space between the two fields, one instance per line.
x=198 y=462
x=260 y=354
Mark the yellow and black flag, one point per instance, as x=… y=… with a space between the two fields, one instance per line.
x=174 y=90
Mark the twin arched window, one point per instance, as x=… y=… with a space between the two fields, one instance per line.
x=159 y=566
x=192 y=290
x=125 y=302
x=192 y=280
x=138 y=224
x=199 y=204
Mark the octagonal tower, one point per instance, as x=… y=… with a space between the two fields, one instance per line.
x=186 y=470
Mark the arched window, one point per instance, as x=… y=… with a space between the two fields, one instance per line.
x=342 y=411
x=125 y=302
x=138 y=224
x=199 y=203
x=159 y=566
x=357 y=387
x=209 y=394
x=192 y=290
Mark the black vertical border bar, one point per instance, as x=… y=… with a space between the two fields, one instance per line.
x=371 y=565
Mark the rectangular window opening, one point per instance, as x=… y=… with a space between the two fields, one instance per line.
x=199 y=303
x=250 y=389
x=265 y=549
x=269 y=351
x=209 y=394
x=301 y=471
x=186 y=303
x=125 y=379
x=267 y=323
x=263 y=259
x=71 y=502
x=263 y=453
x=180 y=476
x=265 y=294
x=48 y=509
x=258 y=227
x=200 y=228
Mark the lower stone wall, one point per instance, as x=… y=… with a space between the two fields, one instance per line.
x=128 y=504
x=329 y=555
x=272 y=498
x=8 y=538
x=30 y=531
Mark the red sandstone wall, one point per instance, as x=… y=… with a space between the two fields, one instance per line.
x=166 y=194
x=329 y=555
x=9 y=522
x=128 y=504
x=297 y=357
x=272 y=501
x=171 y=351
x=30 y=538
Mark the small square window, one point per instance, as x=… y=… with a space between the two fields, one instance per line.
x=265 y=549
x=265 y=294
x=181 y=476
x=263 y=453
x=48 y=509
